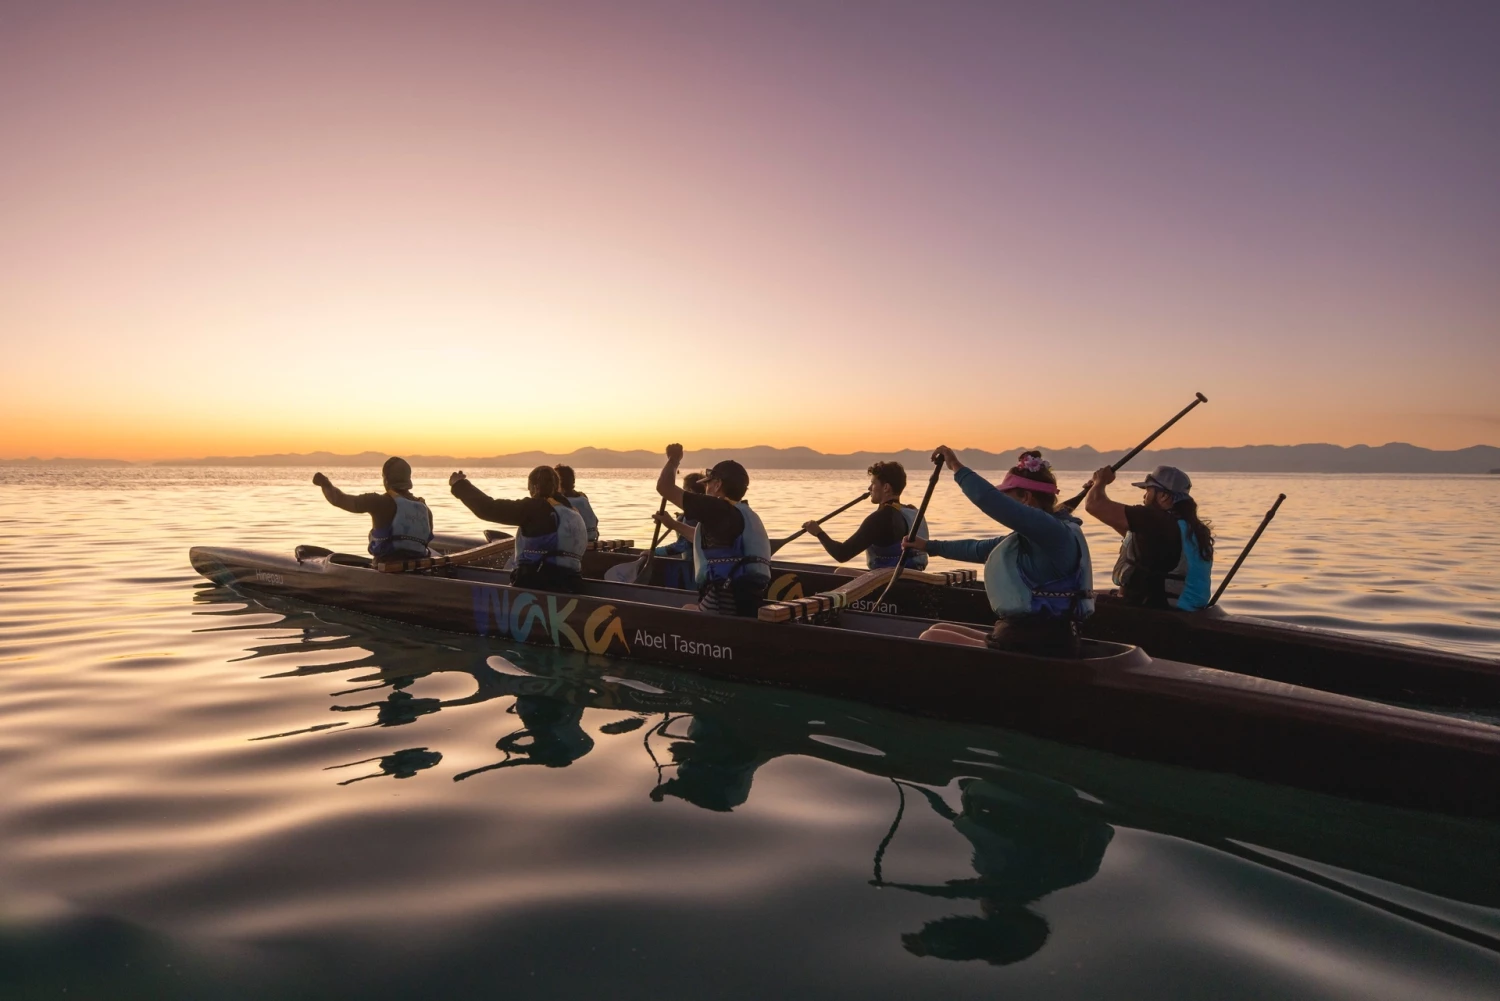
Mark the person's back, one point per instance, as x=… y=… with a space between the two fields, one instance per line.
x=400 y=523
x=578 y=500
x=550 y=536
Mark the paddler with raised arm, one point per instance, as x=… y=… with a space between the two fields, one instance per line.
x=1167 y=556
x=550 y=535
x=880 y=535
x=400 y=524
x=579 y=500
x=1038 y=578
x=731 y=550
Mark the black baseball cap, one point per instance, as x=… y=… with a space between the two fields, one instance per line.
x=732 y=475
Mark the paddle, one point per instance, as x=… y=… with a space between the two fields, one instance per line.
x=488 y=551
x=634 y=573
x=776 y=544
x=1069 y=505
x=1246 y=551
x=937 y=471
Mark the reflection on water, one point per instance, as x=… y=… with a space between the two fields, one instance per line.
x=214 y=796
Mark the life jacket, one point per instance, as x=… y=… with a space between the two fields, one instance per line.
x=585 y=510
x=409 y=531
x=679 y=546
x=1012 y=593
x=563 y=547
x=879 y=557
x=749 y=555
x=1187 y=586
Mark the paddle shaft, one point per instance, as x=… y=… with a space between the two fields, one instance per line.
x=645 y=571
x=1118 y=465
x=1246 y=551
x=830 y=515
x=937 y=471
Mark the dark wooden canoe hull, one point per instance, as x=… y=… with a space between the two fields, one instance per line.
x=1299 y=655
x=1117 y=699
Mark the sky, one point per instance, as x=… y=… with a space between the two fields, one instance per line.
x=478 y=228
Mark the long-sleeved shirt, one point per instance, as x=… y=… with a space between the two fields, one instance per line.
x=533 y=515
x=1052 y=552
x=380 y=507
x=884 y=526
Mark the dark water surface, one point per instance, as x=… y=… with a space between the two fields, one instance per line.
x=207 y=796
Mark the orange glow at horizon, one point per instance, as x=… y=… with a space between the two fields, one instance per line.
x=235 y=231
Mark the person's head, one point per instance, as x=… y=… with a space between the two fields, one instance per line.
x=692 y=483
x=726 y=479
x=1165 y=486
x=887 y=480
x=1031 y=481
x=565 y=478
x=396 y=474
x=542 y=482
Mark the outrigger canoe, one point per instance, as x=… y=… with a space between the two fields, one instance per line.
x=1114 y=698
x=1299 y=655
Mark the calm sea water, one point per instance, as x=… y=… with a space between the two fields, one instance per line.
x=209 y=796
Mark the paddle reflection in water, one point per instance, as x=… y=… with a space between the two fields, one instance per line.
x=1035 y=818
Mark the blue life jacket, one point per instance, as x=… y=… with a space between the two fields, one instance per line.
x=749 y=555
x=585 y=510
x=409 y=531
x=880 y=557
x=679 y=546
x=563 y=547
x=1012 y=592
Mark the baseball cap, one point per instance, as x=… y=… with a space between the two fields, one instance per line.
x=732 y=475
x=1169 y=479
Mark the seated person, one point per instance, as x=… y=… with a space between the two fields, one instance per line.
x=401 y=525
x=1167 y=556
x=1038 y=578
x=579 y=501
x=550 y=535
x=731 y=550
x=880 y=535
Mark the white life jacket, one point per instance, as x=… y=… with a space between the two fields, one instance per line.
x=563 y=547
x=585 y=510
x=409 y=533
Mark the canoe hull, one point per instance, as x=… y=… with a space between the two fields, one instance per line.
x=1120 y=700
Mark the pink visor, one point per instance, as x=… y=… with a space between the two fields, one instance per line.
x=1014 y=482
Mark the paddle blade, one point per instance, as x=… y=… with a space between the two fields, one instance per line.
x=626 y=573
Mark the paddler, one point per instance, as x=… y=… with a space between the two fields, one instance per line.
x=401 y=525
x=1038 y=578
x=550 y=536
x=1167 y=556
x=880 y=535
x=679 y=574
x=578 y=500
x=731 y=550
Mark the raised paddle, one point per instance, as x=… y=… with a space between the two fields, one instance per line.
x=776 y=544
x=937 y=471
x=1246 y=551
x=1069 y=505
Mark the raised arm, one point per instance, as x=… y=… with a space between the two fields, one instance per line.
x=1035 y=524
x=355 y=504
x=485 y=507
x=1101 y=506
x=666 y=483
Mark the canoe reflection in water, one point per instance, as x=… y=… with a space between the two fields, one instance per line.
x=1029 y=840
x=1036 y=817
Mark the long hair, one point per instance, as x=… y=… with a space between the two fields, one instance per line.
x=1201 y=531
x=565 y=479
x=1032 y=466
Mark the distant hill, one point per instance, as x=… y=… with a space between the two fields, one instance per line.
x=54 y=463
x=1395 y=457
